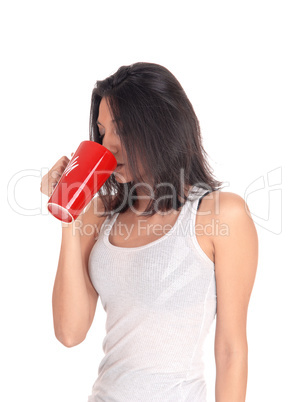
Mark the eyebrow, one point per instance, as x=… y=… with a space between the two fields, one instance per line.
x=100 y=124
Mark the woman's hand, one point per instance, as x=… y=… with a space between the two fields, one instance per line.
x=50 y=180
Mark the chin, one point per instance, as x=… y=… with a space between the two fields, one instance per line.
x=122 y=178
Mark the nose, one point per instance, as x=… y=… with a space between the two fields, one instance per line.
x=110 y=142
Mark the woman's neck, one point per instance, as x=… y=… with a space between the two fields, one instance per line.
x=143 y=199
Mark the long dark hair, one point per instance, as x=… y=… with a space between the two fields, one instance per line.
x=157 y=126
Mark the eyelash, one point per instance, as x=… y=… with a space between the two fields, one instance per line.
x=102 y=135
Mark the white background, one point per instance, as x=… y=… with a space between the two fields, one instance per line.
x=231 y=58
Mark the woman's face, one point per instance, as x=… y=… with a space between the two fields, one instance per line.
x=111 y=141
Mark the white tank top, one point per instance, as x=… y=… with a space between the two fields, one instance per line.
x=160 y=301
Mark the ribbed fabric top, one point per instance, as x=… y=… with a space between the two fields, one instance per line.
x=160 y=301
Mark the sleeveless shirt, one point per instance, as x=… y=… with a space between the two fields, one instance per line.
x=160 y=301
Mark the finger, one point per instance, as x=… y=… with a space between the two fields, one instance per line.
x=56 y=174
x=62 y=161
x=52 y=188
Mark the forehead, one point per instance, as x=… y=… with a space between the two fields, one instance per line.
x=104 y=111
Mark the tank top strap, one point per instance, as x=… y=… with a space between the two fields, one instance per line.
x=107 y=224
x=200 y=199
x=196 y=195
x=194 y=200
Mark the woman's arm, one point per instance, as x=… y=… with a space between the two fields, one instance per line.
x=236 y=258
x=74 y=297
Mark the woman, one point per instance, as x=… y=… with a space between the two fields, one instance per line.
x=166 y=245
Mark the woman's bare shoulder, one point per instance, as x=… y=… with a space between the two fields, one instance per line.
x=223 y=211
x=230 y=213
x=222 y=203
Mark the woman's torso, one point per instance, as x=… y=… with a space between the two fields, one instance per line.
x=158 y=290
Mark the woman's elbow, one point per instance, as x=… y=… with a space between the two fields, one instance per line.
x=69 y=340
x=233 y=352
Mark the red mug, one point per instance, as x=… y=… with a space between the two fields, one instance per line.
x=91 y=165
